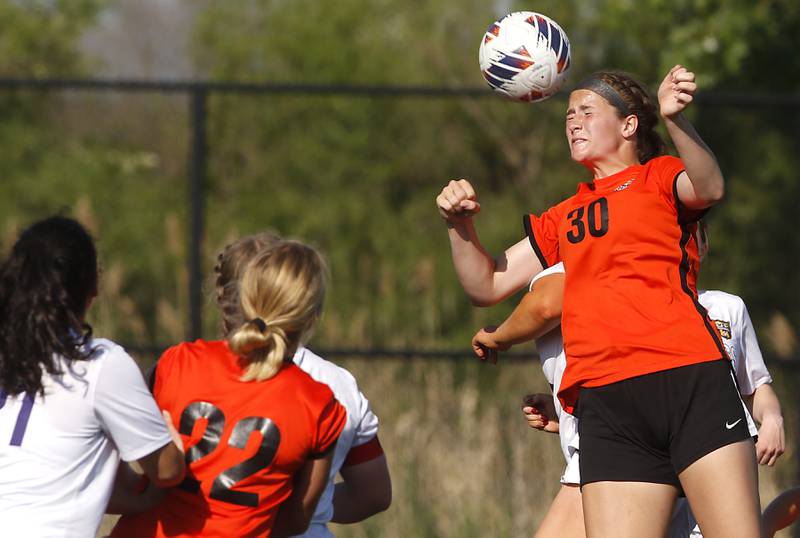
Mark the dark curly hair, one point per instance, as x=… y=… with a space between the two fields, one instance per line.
x=637 y=100
x=46 y=284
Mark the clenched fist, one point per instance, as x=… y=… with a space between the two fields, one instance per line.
x=457 y=201
x=676 y=91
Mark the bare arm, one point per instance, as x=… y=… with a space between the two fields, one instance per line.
x=771 y=434
x=366 y=489
x=138 y=485
x=781 y=512
x=538 y=313
x=295 y=513
x=133 y=493
x=166 y=467
x=702 y=184
x=485 y=279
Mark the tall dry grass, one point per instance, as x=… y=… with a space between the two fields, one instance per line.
x=464 y=463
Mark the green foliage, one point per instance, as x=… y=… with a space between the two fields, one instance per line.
x=78 y=154
x=40 y=37
x=358 y=175
x=373 y=211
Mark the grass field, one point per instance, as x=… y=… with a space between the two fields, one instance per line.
x=464 y=463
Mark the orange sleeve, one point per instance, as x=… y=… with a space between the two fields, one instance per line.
x=542 y=232
x=329 y=427
x=665 y=170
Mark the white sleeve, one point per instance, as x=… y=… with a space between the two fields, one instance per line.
x=366 y=423
x=751 y=372
x=126 y=408
x=552 y=270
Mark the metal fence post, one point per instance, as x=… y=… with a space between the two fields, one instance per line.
x=197 y=178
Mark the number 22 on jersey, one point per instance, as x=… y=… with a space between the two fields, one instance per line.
x=222 y=488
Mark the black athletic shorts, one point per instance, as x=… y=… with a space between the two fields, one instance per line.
x=650 y=428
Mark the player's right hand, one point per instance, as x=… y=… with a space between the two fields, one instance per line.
x=771 y=440
x=485 y=346
x=540 y=412
x=457 y=201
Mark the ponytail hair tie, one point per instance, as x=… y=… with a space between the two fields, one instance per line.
x=260 y=323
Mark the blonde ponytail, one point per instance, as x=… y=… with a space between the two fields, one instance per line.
x=282 y=292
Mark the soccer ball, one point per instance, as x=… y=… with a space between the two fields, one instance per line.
x=525 y=56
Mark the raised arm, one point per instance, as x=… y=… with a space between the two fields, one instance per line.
x=485 y=279
x=538 y=313
x=702 y=184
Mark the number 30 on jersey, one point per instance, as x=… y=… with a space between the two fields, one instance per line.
x=592 y=217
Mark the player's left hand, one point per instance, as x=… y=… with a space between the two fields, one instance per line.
x=771 y=440
x=676 y=91
x=485 y=346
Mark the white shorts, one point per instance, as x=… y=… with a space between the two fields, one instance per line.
x=572 y=473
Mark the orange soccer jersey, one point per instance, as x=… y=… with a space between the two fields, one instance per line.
x=630 y=302
x=243 y=441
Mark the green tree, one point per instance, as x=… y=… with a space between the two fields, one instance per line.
x=358 y=175
x=78 y=153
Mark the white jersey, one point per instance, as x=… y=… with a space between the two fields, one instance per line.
x=59 y=453
x=361 y=426
x=729 y=314
x=551 y=354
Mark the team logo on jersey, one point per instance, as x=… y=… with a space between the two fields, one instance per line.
x=625 y=185
x=724 y=328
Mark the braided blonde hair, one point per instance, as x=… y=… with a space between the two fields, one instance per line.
x=231 y=262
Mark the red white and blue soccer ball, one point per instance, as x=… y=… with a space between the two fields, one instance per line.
x=525 y=56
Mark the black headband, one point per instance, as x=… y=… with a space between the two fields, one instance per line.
x=606 y=91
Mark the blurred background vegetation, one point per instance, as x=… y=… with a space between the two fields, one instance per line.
x=358 y=176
